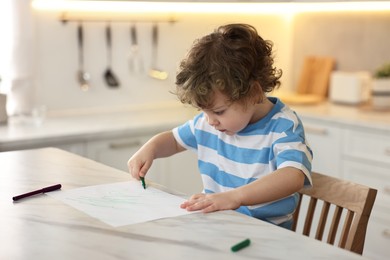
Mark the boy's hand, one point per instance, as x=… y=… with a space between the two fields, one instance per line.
x=212 y=202
x=159 y=146
x=140 y=163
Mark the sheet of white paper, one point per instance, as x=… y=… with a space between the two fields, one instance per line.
x=122 y=203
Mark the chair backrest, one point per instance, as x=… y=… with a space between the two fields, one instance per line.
x=350 y=204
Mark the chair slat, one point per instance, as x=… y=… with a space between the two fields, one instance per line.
x=309 y=217
x=346 y=229
x=296 y=213
x=322 y=221
x=335 y=225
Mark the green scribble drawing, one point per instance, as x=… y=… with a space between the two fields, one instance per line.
x=121 y=199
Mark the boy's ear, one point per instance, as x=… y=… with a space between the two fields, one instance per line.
x=257 y=93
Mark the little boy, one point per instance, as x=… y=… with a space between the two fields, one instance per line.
x=252 y=151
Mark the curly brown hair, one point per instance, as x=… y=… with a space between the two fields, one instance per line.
x=230 y=60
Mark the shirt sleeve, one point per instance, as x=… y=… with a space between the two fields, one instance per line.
x=293 y=151
x=185 y=135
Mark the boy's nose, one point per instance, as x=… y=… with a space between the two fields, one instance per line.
x=212 y=121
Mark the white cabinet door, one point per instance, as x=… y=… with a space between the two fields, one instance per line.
x=113 y=152
x=177 y=173
x=378 y=231
x=325 y=141
x=76 y=148
x=182 y=173
x=116 y=153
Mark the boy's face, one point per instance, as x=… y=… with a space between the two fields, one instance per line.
x=228 y=117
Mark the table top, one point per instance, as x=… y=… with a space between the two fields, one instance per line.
x=42 y=227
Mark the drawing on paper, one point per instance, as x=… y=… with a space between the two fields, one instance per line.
x=122 y=203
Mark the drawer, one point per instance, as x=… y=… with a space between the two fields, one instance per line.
x=363 y=145
x=325 y=141
x=377 y=238
x=378 y=231
x=371 y=175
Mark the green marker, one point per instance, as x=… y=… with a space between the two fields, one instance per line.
x=143 y=182
x=241 y=245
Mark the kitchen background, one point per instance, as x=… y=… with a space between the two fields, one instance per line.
x=44 y=58
x=39 y=65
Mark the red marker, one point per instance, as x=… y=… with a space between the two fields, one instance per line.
x=32 y=193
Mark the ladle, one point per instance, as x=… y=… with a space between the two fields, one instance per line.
x=154 y=72
x=109 y=76
x=83 y=77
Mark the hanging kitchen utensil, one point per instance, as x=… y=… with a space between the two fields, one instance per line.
x=83 y=77
x=136 y=64
x=109 y=76
x=154 y=72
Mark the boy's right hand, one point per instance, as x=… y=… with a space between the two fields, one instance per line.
x=140 y=163
x=159 y=146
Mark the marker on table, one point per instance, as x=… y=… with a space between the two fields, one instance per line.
x=241 y=245
x=32 y=193
x=143 y=182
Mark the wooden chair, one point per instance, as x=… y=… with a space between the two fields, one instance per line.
x=337 y=195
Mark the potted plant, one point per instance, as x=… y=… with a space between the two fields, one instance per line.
x=381 y=87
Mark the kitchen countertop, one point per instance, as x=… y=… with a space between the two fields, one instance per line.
x=356 y=116
x=42 y=227
x=92 y=124
x=119 y=122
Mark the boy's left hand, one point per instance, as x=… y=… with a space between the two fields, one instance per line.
x=212 y=202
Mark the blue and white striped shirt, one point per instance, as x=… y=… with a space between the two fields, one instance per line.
x=229 y=161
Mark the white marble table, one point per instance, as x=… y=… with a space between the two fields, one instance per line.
x=41 y=227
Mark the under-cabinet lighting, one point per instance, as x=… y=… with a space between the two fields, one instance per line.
x=206 y=7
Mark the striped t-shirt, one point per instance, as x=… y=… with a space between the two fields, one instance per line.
x=229 y=161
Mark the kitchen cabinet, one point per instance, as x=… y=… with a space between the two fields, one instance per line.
x=178 y=172
x=111 y=138
x=378 y=233
x=77 y=148
x=116 y=152
x=367 y=161
x=325 y=142
x=182 y=173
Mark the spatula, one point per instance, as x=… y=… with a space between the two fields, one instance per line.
x=83 y=77
x=136 y=64
x=154 y=72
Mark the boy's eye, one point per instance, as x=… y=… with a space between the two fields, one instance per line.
x=218 y=113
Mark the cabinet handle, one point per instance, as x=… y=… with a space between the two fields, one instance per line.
x=386 y=233
x=124 y=145
x=316 y=130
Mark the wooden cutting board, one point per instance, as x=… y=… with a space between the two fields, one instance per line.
x=313 y=83
x=315 y=75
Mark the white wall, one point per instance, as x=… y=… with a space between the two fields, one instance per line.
x=57 y=63
x=358 y=41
